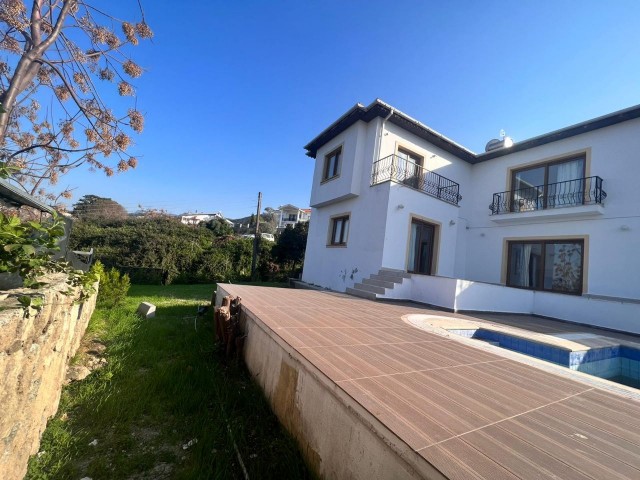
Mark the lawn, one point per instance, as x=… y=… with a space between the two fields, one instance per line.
x=165 y=405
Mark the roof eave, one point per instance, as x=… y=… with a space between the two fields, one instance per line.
x=382 y=109
x=312 y=146
x=378 y=108
x=16 y=198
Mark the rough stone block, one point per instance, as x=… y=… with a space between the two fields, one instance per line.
x=76 y=373
x=147 y=310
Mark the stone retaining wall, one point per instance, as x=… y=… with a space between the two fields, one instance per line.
x=34 y=353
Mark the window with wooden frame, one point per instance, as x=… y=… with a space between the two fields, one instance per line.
x=331 y=167
x=549 y=185
x=551 y=265
x=339 y=231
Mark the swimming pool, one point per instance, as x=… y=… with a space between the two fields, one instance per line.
x=618 y=363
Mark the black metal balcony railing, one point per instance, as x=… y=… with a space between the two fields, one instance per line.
x=581 y=191
x=401 y=170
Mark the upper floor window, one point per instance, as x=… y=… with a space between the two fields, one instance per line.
x=332 y=164
x=339 y=230
x=545 y=185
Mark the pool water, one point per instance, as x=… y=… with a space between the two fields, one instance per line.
x=618 y=363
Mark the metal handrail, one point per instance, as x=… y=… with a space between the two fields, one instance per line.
x=397 y=169
x=570 y=193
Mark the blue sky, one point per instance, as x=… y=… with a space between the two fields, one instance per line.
x=234 y=90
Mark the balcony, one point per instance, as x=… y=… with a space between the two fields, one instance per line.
x=400 y=170
x=571 y=193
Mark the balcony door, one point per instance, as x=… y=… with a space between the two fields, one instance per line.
x=421 y=247
x=409 y=168
x=556 y=184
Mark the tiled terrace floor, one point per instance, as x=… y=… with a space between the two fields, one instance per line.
x=470 y=413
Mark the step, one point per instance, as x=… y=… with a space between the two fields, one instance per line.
x=369 y=288
x=393 y=272
x=379 y=283
x=361 y=293
x=387 y=278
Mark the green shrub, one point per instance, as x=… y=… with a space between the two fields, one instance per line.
x=162 y=250
x=142 y=275
x=114 y=286
x=27 y=248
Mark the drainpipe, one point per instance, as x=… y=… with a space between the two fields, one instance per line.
x=379 y=146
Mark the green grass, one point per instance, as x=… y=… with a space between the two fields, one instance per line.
x=165 y=384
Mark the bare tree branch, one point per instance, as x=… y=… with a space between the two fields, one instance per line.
x=45 y=143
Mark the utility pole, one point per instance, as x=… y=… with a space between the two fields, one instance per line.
x=256 y=241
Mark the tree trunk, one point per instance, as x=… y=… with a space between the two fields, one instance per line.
x=29 y=65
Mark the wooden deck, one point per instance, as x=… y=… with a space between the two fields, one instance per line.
x=469 y=413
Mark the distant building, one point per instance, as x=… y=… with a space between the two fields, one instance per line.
x=265 y=236
x=198 y=218
x=290 y=215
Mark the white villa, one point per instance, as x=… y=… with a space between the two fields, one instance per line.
x=198 y=218
x=289 y=215
x=547 y=226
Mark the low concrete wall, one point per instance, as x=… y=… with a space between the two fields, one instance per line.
x=465 y=295
x=34 y=352
x=337 y=436
x=438 y=291
x=608 y=313
x=487 y=297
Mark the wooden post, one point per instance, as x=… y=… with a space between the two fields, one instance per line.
x=228 y=328
x=256 y=241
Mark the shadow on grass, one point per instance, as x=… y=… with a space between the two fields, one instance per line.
x=165 y=386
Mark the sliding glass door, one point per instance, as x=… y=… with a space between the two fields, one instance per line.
x=553 y=265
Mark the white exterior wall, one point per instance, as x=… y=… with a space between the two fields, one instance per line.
x=347 y=184
x=612 y=265
x=423 y=207
x=337 y=267
x=451 y=238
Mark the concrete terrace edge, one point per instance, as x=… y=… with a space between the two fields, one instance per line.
x=338 y=437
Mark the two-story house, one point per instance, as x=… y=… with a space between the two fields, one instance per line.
x=549 y=226
x=289 y=215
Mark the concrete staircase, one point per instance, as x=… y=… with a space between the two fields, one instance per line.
x=378 y=283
